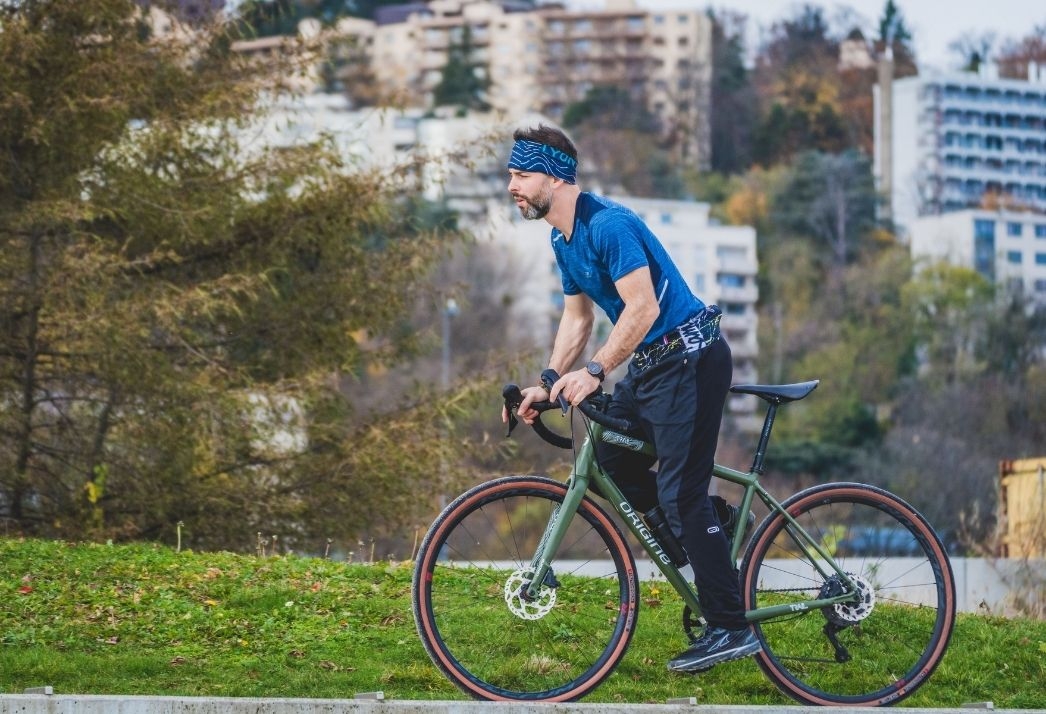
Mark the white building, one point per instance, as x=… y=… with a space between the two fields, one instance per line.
x=1005 y=247
x=544 y=57
x=962 y=140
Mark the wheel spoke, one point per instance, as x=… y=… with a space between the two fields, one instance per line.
x=477 y=626
x=895 y=630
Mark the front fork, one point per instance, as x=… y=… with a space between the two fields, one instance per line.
x=555 y=530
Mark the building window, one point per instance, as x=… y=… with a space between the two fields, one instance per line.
x=1013 y=257
x=1040 y=230
x=984 y=248
x=1040 y=258
x=730 y=280
x=666 y=218
x=984 y=228
x=1040 y=286
x=734 y=308
x=699 y=282
x=1014 y=229
x=731 y=251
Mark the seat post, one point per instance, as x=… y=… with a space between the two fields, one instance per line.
x=764 y=438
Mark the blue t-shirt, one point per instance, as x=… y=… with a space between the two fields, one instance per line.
x=608 y=242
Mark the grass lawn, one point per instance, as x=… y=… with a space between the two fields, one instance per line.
x=145 y=619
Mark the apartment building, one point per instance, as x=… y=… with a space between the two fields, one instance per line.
x=1006 y=247
x=542 y=58
x=962 y=140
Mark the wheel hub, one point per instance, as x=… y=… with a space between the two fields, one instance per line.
x=526 y=608
x=845 y=614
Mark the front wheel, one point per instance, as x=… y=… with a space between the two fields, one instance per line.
x=492 y=642
x=882 y=645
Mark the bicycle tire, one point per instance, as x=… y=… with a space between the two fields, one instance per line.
x=485 y=641
x=895 y=636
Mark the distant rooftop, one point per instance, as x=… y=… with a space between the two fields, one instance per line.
x=392 y=14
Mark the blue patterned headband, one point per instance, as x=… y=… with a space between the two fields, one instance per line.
x=542 y=158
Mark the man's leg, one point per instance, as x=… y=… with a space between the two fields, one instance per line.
x=684 y=403
x=629 y=469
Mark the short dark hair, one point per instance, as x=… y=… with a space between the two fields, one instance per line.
x=550 y=135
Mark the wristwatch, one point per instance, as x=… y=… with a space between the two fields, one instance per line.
x=596 y=370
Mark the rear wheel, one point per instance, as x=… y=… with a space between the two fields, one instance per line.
x=882 y=645
x=478 y=628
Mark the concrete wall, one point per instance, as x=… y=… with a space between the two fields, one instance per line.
x=981 y=586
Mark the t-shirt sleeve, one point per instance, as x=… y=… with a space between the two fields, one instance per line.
x=569 y=286
x=618 y=239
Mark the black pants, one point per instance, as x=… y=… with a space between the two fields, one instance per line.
x=679 y=403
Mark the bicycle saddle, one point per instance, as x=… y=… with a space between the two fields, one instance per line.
x=777 y=393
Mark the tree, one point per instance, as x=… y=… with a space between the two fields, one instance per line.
x=974 y=49
x=464 y=82
x=830 y=197
x=348 y=69
x=948 y=305
x=619 y=141
x=798 y=86
x=893 y=30
x=733 y=99
x=1017 y=58
x=267 y=18
x=178 y=304
x=895 y=34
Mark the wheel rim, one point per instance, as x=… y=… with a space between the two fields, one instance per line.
x=480 y=631
x=894 y=635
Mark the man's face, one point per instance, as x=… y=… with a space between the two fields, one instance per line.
x=532 y=192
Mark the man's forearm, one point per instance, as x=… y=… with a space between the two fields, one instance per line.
x=628 y=333
x=571 y=339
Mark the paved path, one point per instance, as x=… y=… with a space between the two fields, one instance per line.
x=100 y=704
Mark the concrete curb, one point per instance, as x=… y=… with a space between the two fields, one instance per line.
x=102 y=704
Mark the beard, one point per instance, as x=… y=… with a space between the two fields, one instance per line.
x=538 y=206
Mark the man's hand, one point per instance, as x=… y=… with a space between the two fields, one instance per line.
x=530 y=395
x=575 y=386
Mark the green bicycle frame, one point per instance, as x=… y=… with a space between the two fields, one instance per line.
x=586 y=472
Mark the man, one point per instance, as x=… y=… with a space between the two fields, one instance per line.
x=678 y=375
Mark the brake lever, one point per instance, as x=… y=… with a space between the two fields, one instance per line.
x=550 y=377
x=513 y=398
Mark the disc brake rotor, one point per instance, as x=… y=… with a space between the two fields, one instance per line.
x=523 y=608
x=845 y=614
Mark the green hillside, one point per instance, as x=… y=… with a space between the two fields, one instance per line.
x=145 y=619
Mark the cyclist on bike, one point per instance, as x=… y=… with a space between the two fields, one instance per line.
x=678 y=375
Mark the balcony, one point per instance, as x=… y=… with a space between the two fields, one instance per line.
x=745 y=293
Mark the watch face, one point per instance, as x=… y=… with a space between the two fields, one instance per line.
x=595 y=369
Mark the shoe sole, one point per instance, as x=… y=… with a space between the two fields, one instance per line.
x=704 y=666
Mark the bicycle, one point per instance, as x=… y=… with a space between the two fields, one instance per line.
x=525 y=588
